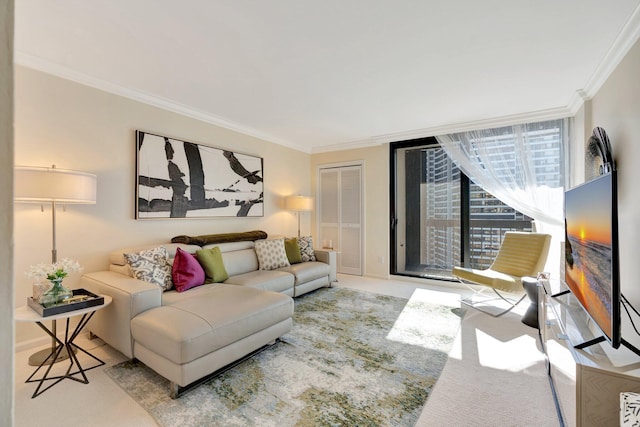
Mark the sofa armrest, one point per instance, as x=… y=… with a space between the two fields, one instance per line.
x=130 y=298
x=328 y=257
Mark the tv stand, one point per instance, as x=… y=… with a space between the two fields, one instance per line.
x=597 y=340
x=586 y=379
x=589 y=343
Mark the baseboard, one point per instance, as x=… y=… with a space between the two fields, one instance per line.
x=378 y=276
x=41 y=342
x=449 y=284
x=34 y=343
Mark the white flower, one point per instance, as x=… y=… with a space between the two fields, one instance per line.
x=58 y=270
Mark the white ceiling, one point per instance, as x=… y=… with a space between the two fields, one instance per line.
x=322 y=74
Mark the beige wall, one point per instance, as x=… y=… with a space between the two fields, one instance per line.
x=616 y=108
x=376 y=202
x=6 y=217
x=77 y=127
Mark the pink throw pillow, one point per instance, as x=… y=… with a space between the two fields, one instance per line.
x=187 y=272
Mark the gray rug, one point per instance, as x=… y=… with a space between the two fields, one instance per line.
x=352 y=358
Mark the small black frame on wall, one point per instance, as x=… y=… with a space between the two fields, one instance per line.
x=180 y=179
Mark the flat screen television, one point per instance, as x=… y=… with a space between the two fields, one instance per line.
x=591 y=252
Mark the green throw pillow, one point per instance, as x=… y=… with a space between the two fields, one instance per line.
x=293 y=250
x=211 y=262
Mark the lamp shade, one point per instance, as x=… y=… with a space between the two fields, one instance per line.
x=35 y=184
x=298 y=203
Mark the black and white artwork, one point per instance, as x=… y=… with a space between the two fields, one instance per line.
x=179 y=179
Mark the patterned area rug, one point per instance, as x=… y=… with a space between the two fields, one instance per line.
x=352 y=358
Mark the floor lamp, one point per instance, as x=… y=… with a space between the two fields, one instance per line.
x=299 y=204
x=54 y=186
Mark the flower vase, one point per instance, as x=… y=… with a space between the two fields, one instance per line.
x=56 y=294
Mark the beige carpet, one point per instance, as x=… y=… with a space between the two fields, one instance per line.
x=495 y=376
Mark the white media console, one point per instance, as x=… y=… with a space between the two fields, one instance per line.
x=586 y=383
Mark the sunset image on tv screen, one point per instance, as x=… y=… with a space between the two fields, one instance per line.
x=588 y=249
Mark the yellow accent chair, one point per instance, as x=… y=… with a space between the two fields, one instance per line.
x=521 y=254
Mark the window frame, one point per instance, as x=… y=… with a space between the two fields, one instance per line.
x=465 y=209
x=464 y=206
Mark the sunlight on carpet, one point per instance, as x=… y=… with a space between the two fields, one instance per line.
x=511 y=355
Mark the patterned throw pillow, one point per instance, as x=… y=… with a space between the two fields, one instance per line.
x=306 y=248
x=151 y=266
x=271 y=254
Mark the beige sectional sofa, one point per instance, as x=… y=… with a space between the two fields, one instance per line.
x=185 y=336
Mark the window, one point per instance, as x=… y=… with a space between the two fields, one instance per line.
x=440 y=218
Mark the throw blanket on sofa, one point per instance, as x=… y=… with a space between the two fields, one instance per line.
x=209 y=239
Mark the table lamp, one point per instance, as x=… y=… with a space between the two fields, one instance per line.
x=299 y=204
x=54 y=186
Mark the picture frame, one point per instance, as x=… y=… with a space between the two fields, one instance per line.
x=182 y=179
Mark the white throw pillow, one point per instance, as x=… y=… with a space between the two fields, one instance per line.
x=151 y=266
x=271 y=254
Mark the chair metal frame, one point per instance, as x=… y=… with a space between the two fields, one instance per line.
x=468 y=301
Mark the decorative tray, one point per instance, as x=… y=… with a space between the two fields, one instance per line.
x=85 y=299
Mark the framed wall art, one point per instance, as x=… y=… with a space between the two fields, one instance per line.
x=180 y=179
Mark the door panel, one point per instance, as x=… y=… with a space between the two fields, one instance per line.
x=329 y=196
x=340 y=218
x=350 y=262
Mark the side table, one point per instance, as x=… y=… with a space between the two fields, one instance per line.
x=26 y=314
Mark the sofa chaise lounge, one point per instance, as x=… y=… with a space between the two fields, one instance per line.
x=186 y=336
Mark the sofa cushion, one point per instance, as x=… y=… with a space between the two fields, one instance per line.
x=171 y=297
x=151 y=266
x=307 y=271
x=293 y=250
x=187 y=272
x=306 y=248
x=211 y=261
x=192 y=328
x=240 y=261
x=274 y=280
x=271 y=254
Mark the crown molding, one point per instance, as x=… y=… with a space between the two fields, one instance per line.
x=516 y=119
x=343 y=146
x=625 y=40
x=536 y=116
x=577 y=100
x=49 y=67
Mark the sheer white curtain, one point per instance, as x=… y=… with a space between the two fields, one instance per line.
x=523 y=166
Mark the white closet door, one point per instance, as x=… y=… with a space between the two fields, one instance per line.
x=341 y=215
x=329 y=219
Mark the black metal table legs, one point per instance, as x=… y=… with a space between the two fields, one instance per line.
x=69 y=345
